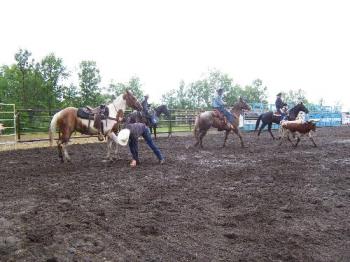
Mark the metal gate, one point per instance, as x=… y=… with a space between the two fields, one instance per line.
x=8 y=122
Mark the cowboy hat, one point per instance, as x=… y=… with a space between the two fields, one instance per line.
x=279 y=94
x=123 y=137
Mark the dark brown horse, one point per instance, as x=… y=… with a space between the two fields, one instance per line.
x=67 y=121
x=208 y=119
x=139 y=116
x=269 y=118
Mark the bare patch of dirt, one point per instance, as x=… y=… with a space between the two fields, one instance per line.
x=260 y=203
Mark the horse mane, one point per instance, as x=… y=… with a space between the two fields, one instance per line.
x=294 y=109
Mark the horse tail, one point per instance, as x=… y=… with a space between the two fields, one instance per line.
x=196 y=127
x=52 y=128
x=258 y=122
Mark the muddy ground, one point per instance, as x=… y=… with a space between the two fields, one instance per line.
x=260 y=203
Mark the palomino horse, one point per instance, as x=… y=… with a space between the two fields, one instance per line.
x=67 y=121
x=207 y=119
x=137 y=116
x=269 y=117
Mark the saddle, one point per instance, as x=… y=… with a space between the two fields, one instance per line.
x=97 y=114
x=221 y=120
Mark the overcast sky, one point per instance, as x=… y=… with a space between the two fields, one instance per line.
x=288 y=44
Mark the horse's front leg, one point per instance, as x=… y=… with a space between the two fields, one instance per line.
x=111 y=137
x=109 y=147
x=202 y=134
x=238 y=133
x=269 y=129
x=60 y=150
x=226 y=135
x=155 y=132
x=66 y=156
x=116 y=149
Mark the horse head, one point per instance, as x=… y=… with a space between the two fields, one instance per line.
x=301 y=107
x=293 y=112
x=131 y=100
x=241 y=105
x=163 y=109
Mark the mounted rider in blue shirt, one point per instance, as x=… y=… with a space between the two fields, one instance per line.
x=219 y=104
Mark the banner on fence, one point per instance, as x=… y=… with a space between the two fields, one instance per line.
x=346 y=118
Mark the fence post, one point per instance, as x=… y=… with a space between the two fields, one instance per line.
x=18 y=126
x=170 y=125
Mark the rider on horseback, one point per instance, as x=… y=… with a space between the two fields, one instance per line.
x=281 y=106
x=145 y=109
x=219 y=104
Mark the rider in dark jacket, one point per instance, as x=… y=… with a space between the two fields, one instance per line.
x=145 y=109
x=281 y=106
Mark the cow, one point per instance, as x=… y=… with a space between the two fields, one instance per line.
x=297 y=128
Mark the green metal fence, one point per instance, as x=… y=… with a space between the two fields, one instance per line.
x=32 y=125
x=8 y=123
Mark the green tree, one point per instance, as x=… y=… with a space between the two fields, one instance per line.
x=24 y=67
x=53 y=71
x=71 y=96
x=170 y=98
x=293 y=97
x=89 y=80
x=133 y=85
x=9 y=82
x=255 y=93
x=199 y=94
x=233 y=93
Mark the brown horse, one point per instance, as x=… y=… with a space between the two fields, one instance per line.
x=208 y=119
x=67 y=121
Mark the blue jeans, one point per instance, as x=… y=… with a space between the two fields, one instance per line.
x=133 y=145
x=150 y=117
x=283 y=115
x=226 y=113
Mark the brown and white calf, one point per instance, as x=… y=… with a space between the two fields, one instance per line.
x=297 y=129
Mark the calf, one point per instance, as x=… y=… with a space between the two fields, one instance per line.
x=297 y=129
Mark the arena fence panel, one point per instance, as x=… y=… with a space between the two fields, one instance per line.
x=8 y=121
x=32 y=125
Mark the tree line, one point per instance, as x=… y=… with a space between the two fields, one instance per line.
x=44 y=85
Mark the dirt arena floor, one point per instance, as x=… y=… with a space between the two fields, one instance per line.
x=260 y=203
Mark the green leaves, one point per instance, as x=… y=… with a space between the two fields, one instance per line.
x=293 y=97
x=89 y=80
x=133 y=85
x=199 y=94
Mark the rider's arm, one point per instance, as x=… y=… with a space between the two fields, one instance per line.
x=218 y=102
